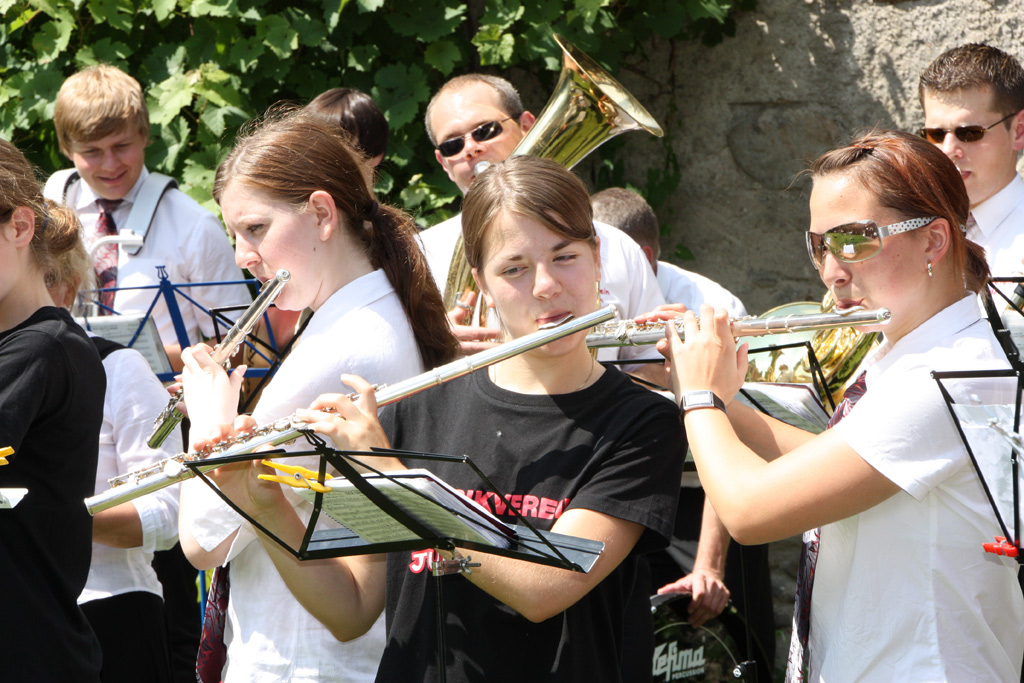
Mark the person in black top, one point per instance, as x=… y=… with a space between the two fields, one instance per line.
x=51 y=403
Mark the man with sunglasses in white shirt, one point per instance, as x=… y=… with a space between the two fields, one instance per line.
x=973 y=101
x=478 y=117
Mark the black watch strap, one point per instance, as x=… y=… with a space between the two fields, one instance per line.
x=695 y=400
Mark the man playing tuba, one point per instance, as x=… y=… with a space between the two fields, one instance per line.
x=477 y=117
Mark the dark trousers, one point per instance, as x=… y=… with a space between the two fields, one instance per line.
x=181 y=606
x=133 y=637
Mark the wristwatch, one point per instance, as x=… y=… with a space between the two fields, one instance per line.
x=694 y=400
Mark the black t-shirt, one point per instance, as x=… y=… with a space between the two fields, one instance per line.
x=51 y=407
x=614 y=448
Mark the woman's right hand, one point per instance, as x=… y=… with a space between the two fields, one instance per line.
x=239 y=481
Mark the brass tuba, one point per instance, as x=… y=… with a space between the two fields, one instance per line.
x=839 y=351
x=587 y=108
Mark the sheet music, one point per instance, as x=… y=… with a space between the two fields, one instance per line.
x=350 y=508
x=992 y=451
x=11 y=497
x=121 y=329
x=794 y=404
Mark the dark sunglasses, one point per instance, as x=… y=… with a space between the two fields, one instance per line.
x=857 y=241
x=487 y=131
x=937 y=136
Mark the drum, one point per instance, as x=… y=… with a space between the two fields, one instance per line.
x=707 y=654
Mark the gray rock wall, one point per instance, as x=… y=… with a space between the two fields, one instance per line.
x=745 y=116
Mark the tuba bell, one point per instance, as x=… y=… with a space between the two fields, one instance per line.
x=587 y=108
x=839 y=352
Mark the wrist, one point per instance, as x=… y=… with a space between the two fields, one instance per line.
x=698 y=400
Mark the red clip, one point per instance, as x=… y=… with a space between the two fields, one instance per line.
x=1001 y=547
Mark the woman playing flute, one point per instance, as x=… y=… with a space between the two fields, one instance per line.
x=902 y=590
x=296 y=196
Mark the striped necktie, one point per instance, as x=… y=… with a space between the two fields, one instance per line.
x=105 y=257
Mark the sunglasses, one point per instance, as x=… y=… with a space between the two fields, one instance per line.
x=487 y=131
x=857 y=241
x=937 y=136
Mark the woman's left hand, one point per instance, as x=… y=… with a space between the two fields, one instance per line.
x=708 y=359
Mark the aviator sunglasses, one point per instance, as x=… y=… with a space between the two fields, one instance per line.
x=857 y=241
x=937 y=136
x=487 y=131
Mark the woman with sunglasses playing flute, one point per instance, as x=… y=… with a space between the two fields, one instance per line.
x=902 y=590
x=585 y=452
x=296 y=196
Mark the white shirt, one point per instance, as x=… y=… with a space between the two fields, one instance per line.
x=134 y=397
x=904 y=591
x=185 y=238
x=360 y=329
x=1000 y=230
x=627 y=280
x=692 y=289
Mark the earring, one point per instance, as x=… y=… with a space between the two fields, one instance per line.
x=930 y=269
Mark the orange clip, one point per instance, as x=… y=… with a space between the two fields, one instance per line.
x=4 y=452
x=1001 y=547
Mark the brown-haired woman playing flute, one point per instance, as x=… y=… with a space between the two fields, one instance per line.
x=902 y=590
x=296 y=196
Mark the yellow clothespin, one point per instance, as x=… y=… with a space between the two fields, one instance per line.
x=4 y=452
x=301 y=477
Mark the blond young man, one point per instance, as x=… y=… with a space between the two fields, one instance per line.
x=973 y=101
x=103 y=128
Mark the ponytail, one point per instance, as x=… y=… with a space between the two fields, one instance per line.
x=976 y=270
x=390 y=238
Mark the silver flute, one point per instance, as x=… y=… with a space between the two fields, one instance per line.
x=130 y=486
x=170 y=416
x=629 y=333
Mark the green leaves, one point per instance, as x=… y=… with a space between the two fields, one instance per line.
x=207 y=66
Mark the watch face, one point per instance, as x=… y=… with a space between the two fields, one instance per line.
x=701 y=399
x=698 y=398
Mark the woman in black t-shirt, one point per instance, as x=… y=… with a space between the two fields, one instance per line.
x=577 y=448
x=51 y=402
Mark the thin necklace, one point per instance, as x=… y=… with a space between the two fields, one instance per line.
x=589 y=375
x=493 y=370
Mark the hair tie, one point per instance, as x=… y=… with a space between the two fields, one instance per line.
x=373 y=213
x=46 y=219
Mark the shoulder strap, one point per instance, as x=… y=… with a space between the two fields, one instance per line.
x=57 y=185
x=105 y=347
x=141 y=215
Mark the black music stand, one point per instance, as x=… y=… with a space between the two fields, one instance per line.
x=524 y=542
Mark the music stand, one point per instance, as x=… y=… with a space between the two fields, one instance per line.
x=982 y=426
x=523 y=542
